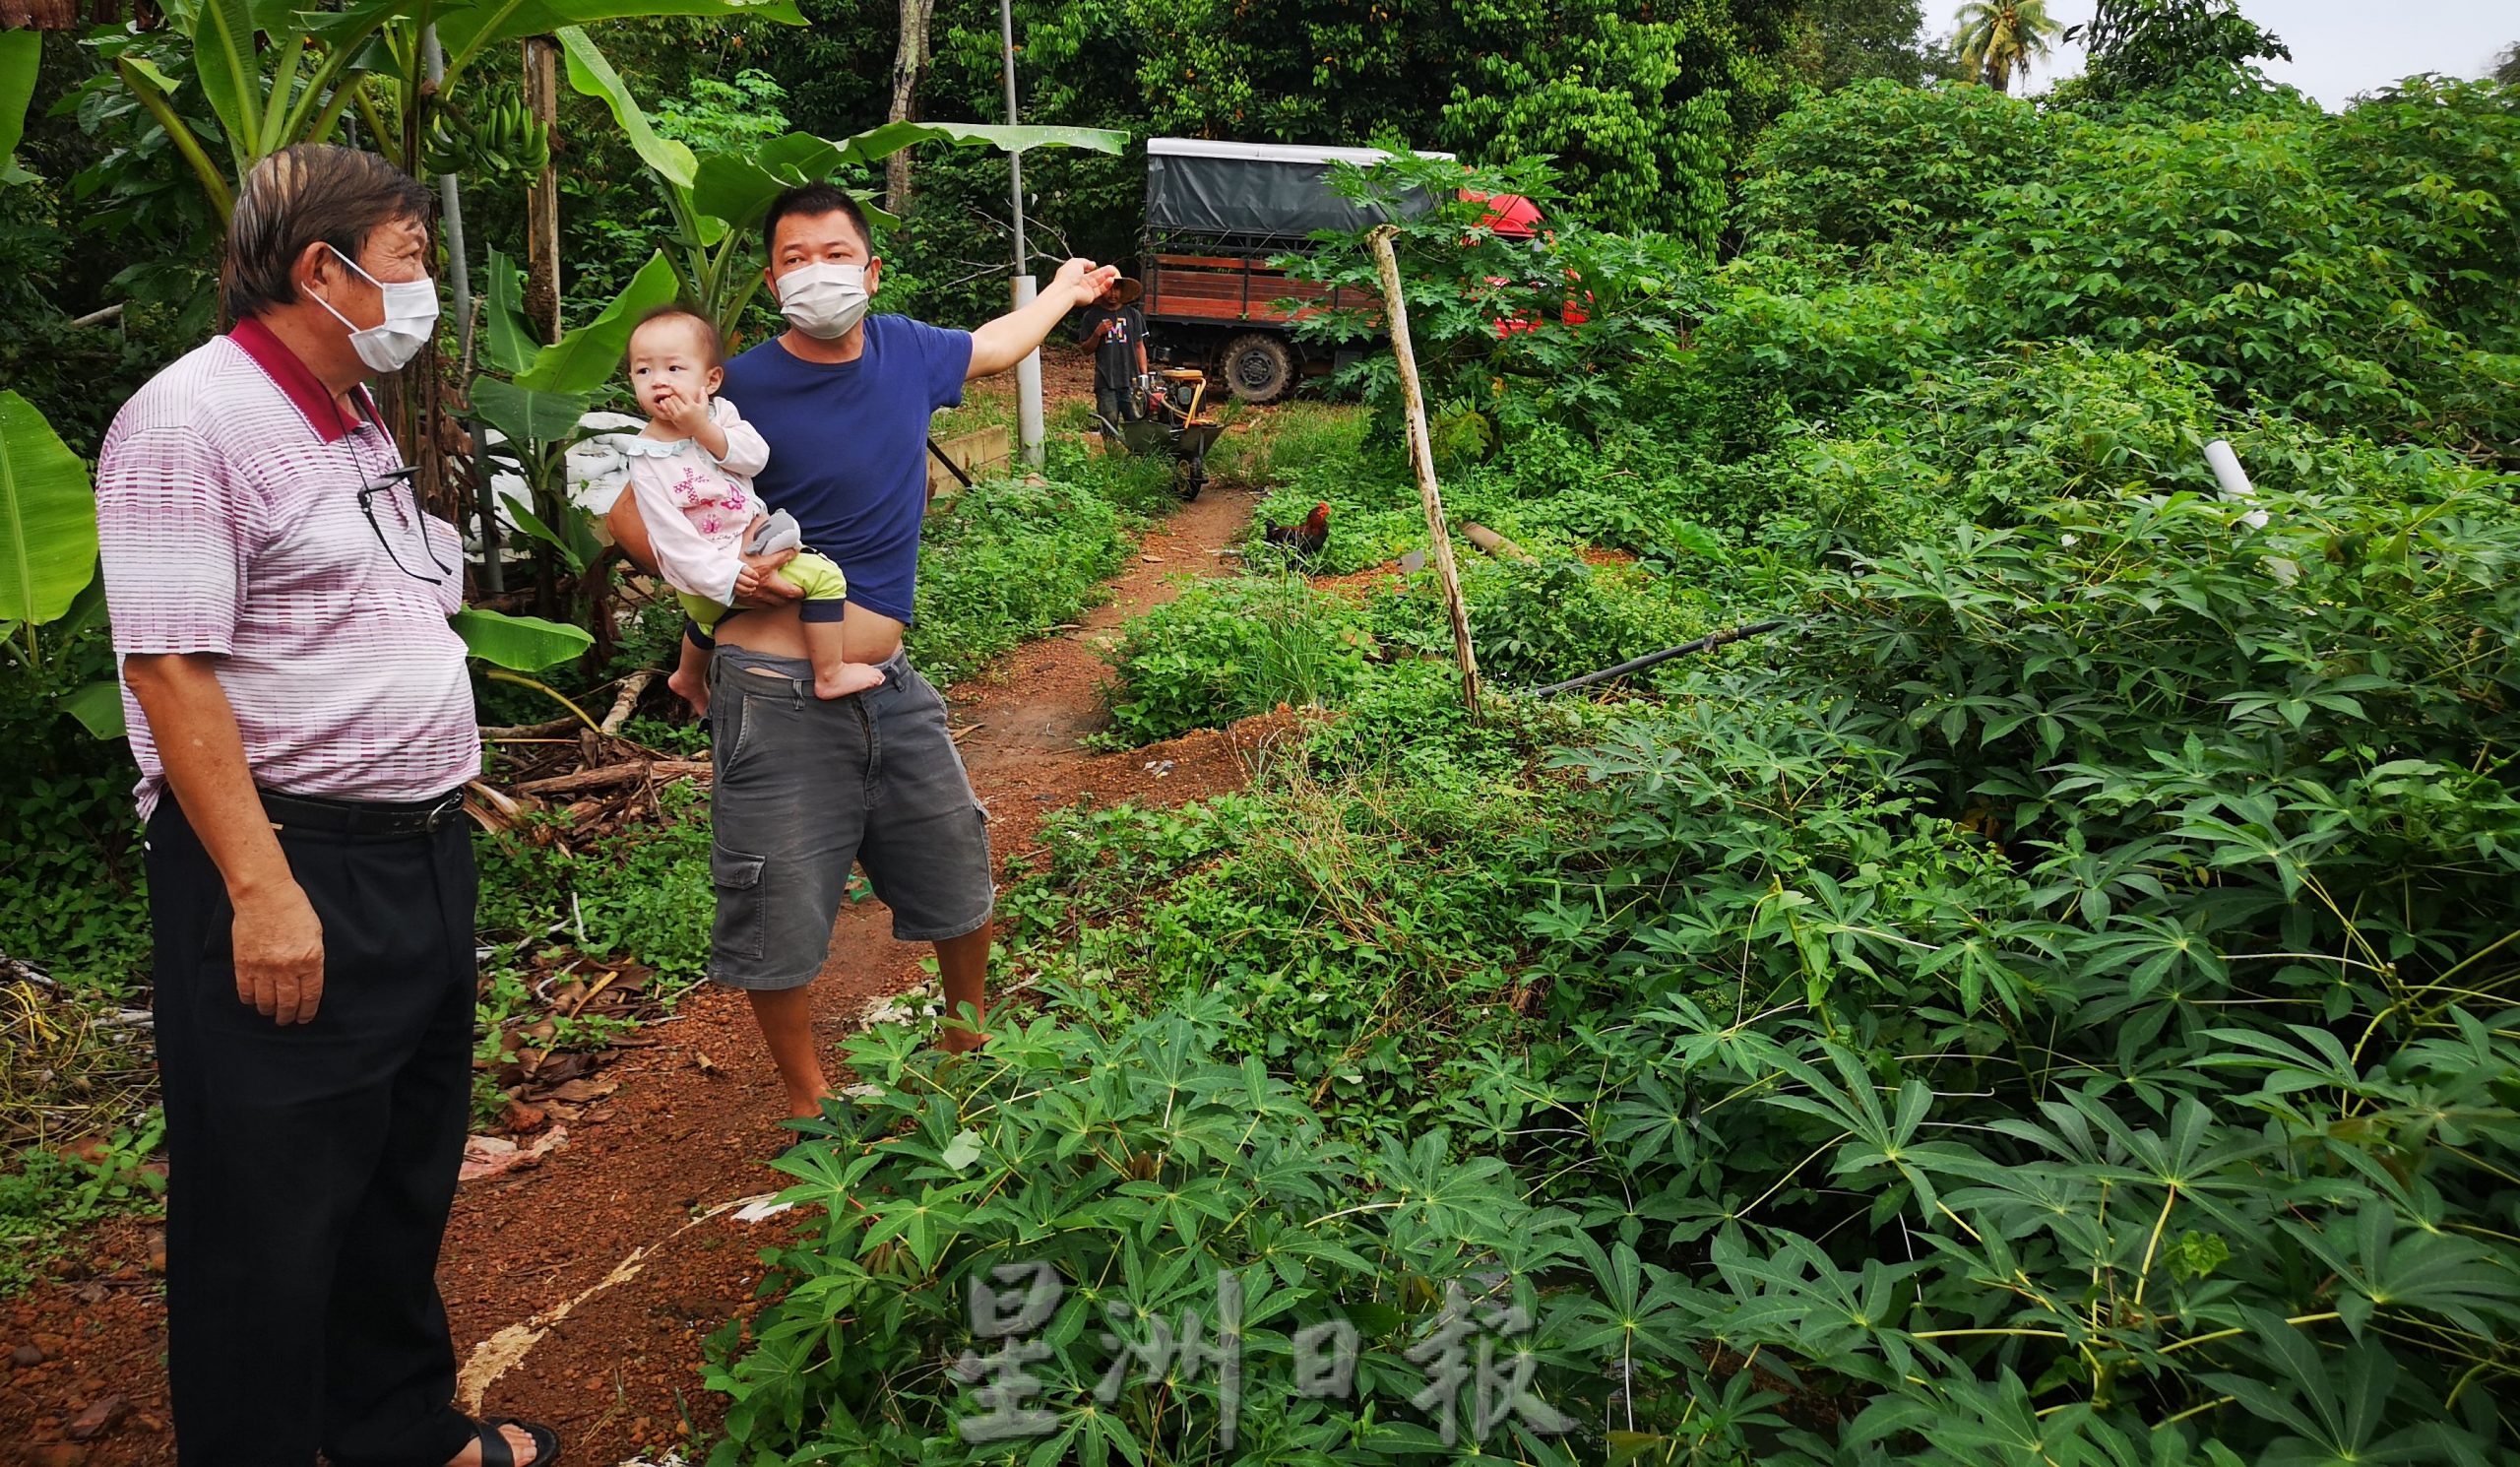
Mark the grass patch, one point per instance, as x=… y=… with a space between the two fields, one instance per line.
x=1008 y=561
x=1229 y=648
x=48 y=1197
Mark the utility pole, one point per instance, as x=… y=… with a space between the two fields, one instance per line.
x=1028 y=372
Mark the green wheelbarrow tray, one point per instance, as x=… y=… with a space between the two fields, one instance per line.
x=1186 y=445
x=1144 y=436
x=1197 y=438
x=1148 y=436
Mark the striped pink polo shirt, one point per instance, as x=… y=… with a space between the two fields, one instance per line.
x=227 y=506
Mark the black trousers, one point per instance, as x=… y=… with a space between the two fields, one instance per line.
x=1116 y=404
x=310 y=1167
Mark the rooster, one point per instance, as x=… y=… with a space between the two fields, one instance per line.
x=1305 y=541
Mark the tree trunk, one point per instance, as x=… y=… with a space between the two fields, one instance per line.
x=543 y=200
x=910 y=68
x=1422 y=457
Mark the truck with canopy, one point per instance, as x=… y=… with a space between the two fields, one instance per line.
x=1217 y=214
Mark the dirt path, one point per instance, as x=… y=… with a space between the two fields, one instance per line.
x=584 y=1287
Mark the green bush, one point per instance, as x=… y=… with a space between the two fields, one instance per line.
x=641 y=895
x=1877 y=163
x=1107 y=1242
x=2116 y=989
x=1230 y=648
x=1536 y=621
x=2236 y=242
x=72 y=891
x=1006 y=561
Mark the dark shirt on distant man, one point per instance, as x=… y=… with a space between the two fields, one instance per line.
x=1115 y=334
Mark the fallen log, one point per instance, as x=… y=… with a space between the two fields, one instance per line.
x=631 y=687
x=510 y=732
x=1493 y=544
x=613 y=776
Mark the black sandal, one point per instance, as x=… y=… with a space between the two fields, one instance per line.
x=495 y=1451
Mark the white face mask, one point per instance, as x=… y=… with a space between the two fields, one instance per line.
x=411 y=319
x=823 y=301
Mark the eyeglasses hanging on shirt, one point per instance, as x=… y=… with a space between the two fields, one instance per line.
x=383 y=484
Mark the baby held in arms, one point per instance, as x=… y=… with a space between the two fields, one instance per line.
x=692 y=471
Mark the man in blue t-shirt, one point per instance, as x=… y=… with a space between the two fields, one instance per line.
x=804 y=786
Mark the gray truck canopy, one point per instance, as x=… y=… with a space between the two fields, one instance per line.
x=1256 y=190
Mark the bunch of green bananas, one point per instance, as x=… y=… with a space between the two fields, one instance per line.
x=506 y=141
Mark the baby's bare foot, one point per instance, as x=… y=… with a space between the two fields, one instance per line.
x=850 y=678
x=692 y=688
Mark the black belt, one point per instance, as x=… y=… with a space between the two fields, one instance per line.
x=367 y=820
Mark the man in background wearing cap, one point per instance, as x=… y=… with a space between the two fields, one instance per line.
x=1117 y=327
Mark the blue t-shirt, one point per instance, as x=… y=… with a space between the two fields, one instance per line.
x=848 y=446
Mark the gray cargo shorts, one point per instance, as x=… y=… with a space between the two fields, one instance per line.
x=803 y=785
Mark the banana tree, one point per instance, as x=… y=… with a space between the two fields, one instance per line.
x=537 y=397
x=716 y=199
x=274 y=75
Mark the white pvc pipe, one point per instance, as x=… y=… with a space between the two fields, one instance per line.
x=2227 y=470
x=2234 y=480
x=1028 y=382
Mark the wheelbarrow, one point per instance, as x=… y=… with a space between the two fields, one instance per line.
x=1171 y=425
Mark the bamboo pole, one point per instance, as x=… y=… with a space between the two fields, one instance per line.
x=1422 y=457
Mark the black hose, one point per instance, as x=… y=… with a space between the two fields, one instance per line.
x=951 y=466
x=1637 y=663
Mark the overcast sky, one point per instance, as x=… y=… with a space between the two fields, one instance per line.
x=2340 y=46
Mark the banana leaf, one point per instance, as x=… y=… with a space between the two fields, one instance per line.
x=467 y=30
x=593 y=76
x=228 y=70
x=507 y=342
x=520 y=644
x=48 y=517
x=582 y=360
x=19 y=52
x=98 y=706
x=526 y=417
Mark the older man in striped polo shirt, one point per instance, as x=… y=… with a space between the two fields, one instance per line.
x=304 y=725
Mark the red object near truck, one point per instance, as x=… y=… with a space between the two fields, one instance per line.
x=1218 y=212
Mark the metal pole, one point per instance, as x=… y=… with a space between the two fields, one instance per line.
x=1028 y=372
x=459 y=278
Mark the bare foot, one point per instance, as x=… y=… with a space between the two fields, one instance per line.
x=850 y=678
x=692 y=688
x=520 y=1445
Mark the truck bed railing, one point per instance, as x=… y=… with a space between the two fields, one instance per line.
x=1224 y=282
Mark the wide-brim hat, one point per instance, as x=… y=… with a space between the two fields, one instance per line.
x=1127 y=290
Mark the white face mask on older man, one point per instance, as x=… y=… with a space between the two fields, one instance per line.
x=411 y=319
x=823 y=301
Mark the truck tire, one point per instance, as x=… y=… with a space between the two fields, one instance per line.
x=1259 y=370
